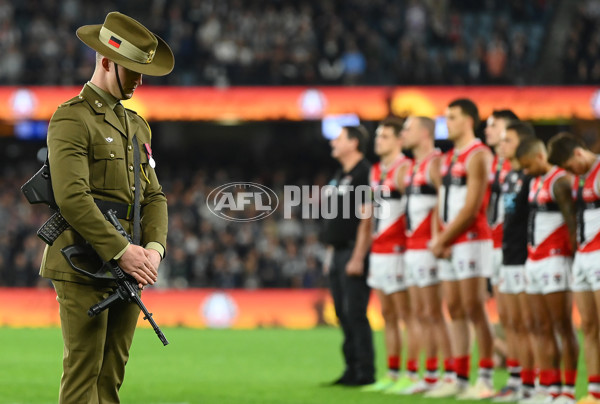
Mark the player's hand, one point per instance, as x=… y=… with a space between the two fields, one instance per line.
x=137 y=264
x=355 y=267
x=438 y=249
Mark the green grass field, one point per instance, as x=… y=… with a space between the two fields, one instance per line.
x=264 y=366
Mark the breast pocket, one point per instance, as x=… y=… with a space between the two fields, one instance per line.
x=108 y=166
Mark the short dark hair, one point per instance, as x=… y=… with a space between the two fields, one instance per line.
x=393 y=122
x=524 y=130
x=561 y=147
x=359 y=133
x=467 y=107
x=506 y=114
x=428 y=124
x=529 y=146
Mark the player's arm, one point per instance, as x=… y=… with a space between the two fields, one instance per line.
x=477 y=184
x=564 y=198
x=435 y=178
x=435 y=172
x=355 y=267
x=400 y=177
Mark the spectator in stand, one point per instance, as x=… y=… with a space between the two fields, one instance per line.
x=227 y=42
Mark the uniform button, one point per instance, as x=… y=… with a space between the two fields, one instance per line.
x=129 y=147
x=112 y=155
x=130 y=168
x=133 y=189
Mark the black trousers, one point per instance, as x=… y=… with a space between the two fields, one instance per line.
x=351 y=297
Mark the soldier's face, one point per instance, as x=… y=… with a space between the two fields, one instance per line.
x=129 y=81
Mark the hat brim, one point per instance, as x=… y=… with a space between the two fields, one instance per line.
x=162 y=63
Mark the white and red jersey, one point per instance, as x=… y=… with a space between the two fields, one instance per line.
x=453 y=193
x=389 y=237
x=495 y=213
x=548 y=232
x=587 y=201
x=421 y=199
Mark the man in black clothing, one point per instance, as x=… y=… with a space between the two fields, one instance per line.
x=347 y=235
x=515 y=193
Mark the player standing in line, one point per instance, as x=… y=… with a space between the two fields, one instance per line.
x=552 y=229
x=465 y=235
x=495 y=131
x=422 y=182
x=511 y=282
x=569 y=152
x=386 y=275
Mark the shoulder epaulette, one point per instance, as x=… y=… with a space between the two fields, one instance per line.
x=72 y=101
x=147 y=124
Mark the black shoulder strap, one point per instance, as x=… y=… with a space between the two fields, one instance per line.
x=495 y=196
x=446 y=181
x=408 y=193
x=136 y=197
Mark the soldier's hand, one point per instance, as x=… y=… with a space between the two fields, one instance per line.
x=137 y=264
x=154 y=257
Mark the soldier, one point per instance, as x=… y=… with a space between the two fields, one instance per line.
x=94 y=155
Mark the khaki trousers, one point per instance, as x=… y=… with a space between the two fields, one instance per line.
x=95 y=349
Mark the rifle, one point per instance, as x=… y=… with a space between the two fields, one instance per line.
x=38 y=189
x=126 y=286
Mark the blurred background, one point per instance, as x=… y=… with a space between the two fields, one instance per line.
x=254 y=85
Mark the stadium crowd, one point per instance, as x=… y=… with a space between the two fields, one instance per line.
x=581 y=64
x=286 y=42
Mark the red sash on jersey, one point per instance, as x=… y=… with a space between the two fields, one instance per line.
x=418 y=183
x=392 y=239
x=542 y=200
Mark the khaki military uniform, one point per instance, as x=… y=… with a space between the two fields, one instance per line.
x=91 y=157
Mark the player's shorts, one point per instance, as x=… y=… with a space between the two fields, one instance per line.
x=512 y=279
x=586 y=272
x=548 y=275
x=421 y=267
x=496 y=264
x=472 y=259
x=386 y=273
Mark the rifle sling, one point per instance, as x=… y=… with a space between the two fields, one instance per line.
x=136 y=202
